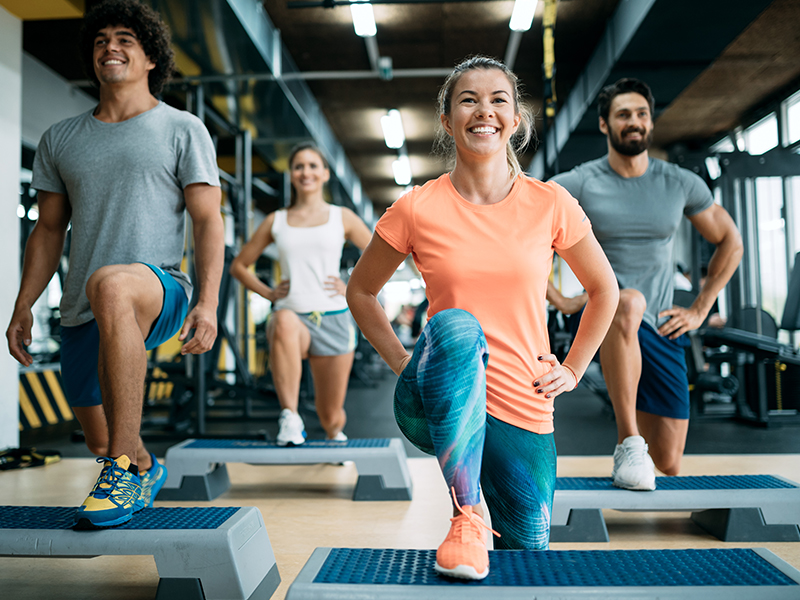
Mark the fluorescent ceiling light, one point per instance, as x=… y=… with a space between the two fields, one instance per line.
x=402 y=171
x=363 y=18
x=522 y=15
x=392 y=126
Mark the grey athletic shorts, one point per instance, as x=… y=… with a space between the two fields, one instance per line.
x=332 y=333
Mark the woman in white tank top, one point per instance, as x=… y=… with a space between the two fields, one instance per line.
x=310 y=318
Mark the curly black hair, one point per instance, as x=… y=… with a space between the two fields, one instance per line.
x=153 y=34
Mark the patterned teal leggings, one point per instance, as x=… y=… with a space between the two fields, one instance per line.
x=440 y=406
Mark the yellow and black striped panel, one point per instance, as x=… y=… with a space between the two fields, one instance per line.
x=41 y=399
x=159 y=390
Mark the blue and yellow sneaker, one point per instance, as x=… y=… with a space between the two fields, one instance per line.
x=152 y=481
x=113 y=500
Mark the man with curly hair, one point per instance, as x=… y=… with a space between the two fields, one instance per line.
x=123 y=175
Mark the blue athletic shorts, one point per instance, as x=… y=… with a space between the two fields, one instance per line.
x=80 y=344
x=664 y=385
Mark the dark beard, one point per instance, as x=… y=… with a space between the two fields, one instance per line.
x=631 y=148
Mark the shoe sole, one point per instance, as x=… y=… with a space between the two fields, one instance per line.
x=84 y=524
x=635 y=487
x=290 y=443
x=462 y=572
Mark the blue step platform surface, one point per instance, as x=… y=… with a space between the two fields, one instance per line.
x=711 y=574
x=734 y=508
x=201 y=553
x=197 y=468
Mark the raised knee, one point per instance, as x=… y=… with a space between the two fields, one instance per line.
x=454 y=320
x=106 y=286
x=283 y=323
x=630 y=310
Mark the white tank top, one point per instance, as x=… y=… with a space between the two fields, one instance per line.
x=308 y=256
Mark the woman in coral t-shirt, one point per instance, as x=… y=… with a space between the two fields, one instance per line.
x=478 y=392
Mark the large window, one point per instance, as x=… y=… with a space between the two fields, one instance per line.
x=771 y=244
x=762 y=136
x=792 y=119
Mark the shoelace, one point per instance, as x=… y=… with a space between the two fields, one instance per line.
x=107 y=477
x=471 y=517
x=635 y=455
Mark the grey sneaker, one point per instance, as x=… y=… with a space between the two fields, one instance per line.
x=633 y=467
x=290 y=429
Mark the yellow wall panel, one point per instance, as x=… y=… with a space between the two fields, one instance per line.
x=33 y=10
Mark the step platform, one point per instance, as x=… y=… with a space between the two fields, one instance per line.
x=734 y=508
x=201 y=553
x=712 y=574
x=197 y=471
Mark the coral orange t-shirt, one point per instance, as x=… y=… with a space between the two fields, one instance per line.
x=493 y=261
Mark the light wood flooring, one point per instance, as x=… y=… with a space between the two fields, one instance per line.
x=308 y=506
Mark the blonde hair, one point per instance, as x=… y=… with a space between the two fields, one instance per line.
x=445 y=145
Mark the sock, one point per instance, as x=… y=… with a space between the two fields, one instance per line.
x=134 y=469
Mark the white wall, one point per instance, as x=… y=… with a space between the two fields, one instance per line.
x=10 y=143
x=47 y=98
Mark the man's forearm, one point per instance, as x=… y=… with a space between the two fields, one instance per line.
x=721 y=268
x=209 y=259
x=42 y=255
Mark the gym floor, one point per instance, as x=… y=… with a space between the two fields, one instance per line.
x=305 y=507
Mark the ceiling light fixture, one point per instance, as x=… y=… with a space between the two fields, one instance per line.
x=392 y=126
x=522 y=15
x=402 y=170
x=363 y=18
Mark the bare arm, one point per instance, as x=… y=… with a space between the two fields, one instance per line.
x=568 y=306
x=240 y=267
x=42 y=255
x=372 y=271
x=717 y=227
x=355 y=229
x=203 y=203
x=589 y=263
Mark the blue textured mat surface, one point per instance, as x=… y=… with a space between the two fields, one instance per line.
x=706 y=482
x=561 y=568
x=62 y=517
x=251 y=444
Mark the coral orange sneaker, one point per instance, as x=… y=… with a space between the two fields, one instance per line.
x=463 y=553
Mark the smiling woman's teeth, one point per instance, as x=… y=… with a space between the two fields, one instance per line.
x=483 y=129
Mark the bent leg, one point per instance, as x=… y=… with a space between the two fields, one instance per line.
x=95 y=430
x=663 y=398
x=667 y=439
x=331 y=375
x=440 y=399
x=621 y=360
x=126 y=300
x=519 y=480
x=288 y=341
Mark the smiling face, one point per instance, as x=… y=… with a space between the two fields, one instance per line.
x=482 y=115
x=308 y=172
x=118 y=57
x=630 y=125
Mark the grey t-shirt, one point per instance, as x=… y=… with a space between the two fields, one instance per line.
x=635 y=220
x=124 y=182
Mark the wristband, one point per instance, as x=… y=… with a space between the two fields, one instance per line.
x=568 y=368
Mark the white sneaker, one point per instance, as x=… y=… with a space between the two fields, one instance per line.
x=291 y=429
x=633 y=467
x=339 y=437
